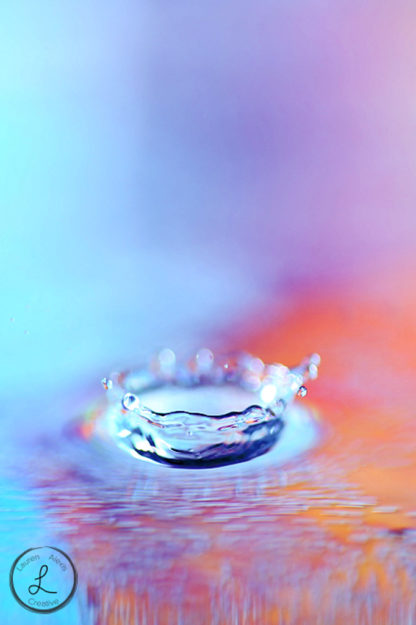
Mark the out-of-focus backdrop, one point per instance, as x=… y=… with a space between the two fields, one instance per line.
x=231 y=173
x=168 y=168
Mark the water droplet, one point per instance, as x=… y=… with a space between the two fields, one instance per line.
x=107 y=383
x=167 y=359
x=204 y=359
x=315 y=359
x=252 y=364
x=313 y=371
x=302 y=392
x=256 y=365
x=130 y=401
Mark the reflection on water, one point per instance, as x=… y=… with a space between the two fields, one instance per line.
x=257 y=542
x=153 y=543
x=289 y=538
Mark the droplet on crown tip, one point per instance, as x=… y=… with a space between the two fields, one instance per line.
x=302 y=392
x=130 y=401
x=107 y=384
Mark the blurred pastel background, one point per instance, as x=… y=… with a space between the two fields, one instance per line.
x=167 y=168
x=180 y=173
